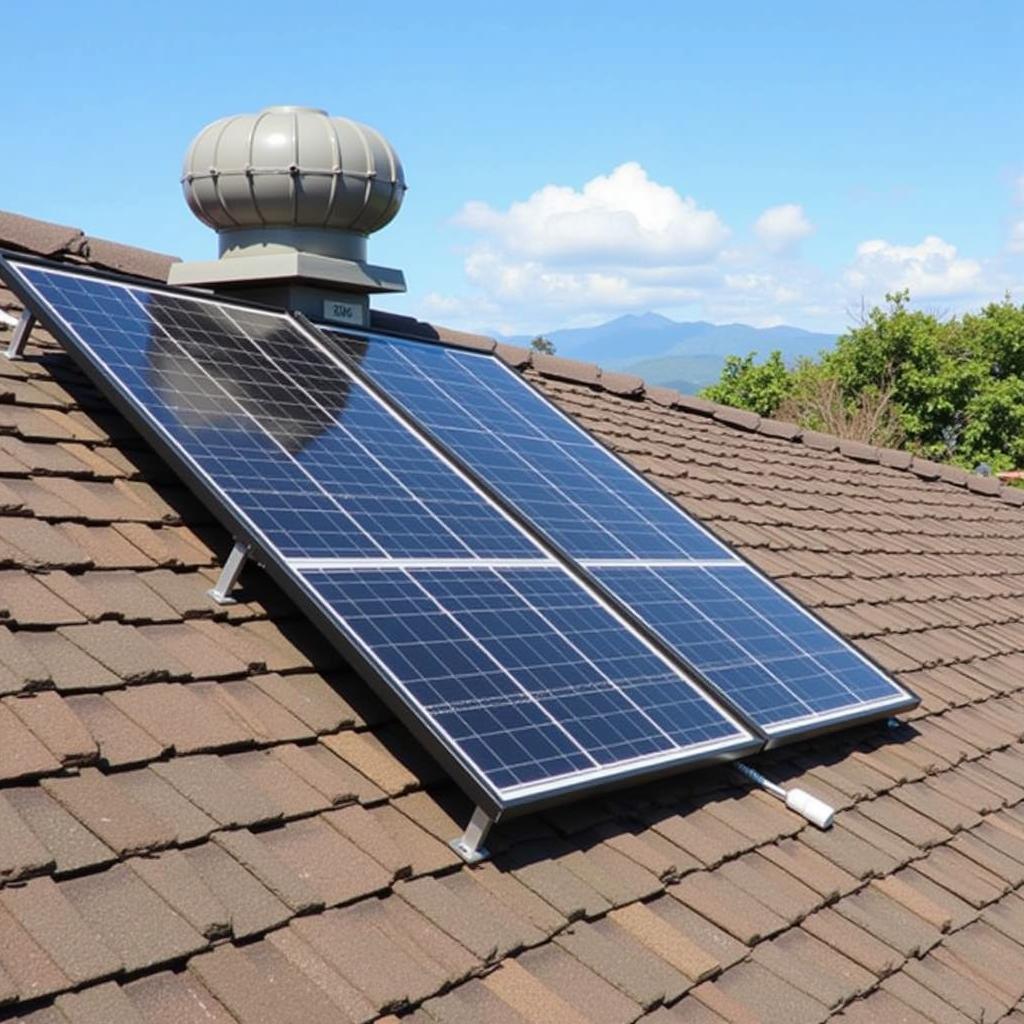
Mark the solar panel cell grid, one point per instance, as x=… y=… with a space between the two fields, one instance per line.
x=481 y=651
x=551 y=470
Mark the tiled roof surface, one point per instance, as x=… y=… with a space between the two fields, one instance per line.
x=206 y=818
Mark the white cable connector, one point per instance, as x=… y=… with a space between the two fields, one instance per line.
x=816 y=811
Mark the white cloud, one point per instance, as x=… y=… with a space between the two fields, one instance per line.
x=622 y=218
x=930 y=269
x=622 y=242
x=780 y=228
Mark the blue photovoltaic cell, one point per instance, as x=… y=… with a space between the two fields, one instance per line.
x=777 y=664
x=550 y=469
x=310 y=457
x=526 y=673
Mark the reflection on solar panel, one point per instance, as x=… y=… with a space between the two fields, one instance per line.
x=777 y=664
x=519 y=675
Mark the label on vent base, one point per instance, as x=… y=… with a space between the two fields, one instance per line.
x=340 y=312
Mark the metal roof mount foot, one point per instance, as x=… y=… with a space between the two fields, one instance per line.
x=17 y=343
x=816 y=811
x=229 y=574
x=469 y=846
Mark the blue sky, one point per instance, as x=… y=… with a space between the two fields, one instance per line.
x=570 y=162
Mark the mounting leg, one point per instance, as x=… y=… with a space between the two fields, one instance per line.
x=229 y=574
x=21 y=333
x=469 y=846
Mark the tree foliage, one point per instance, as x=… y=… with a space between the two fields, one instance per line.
x=543 y=345
x=950 y=389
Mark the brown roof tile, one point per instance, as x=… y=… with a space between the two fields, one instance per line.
x=328 y=774
x=891 y=922
x=512 y=893
x=67 y=666
x=538 y=867
x=259 y=858
x=811 y=868
x=186 y=821
x=170 y=876
x=366 y=830
x=611 y=952
x=310 y=699
x=198 y=652
x=530 y=997
x=271 y=777
x=367 y=754
x=106 y=809
x=253 y=907
x=352 y=943
x=26 y=963
x=814 y=968
x=956 y=988
x=335 y=868
x=768 y=997
x=178 y=718
x=74 y=946
x=465 y=1005
x=70 y=844
x=28 y=602
x=21 y=853
x=53 y=720
x=771 y=885
x=469 y=913
x=119 y=594
x=206 y=781
x=22 y=755
x=121 y=742
x=246 y=991
x=714 y=941
x=132 y=920
x=175 y=998
x=914 y=995
x=854 y=942
x=351 y=1004
x=655 y=932
x=20 y=669
x=102 y=1004
x=126 y=651
x=717 y=899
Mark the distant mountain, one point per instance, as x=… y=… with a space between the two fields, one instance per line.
x=683 y=355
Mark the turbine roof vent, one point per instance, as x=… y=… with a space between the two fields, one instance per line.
x=293 y=194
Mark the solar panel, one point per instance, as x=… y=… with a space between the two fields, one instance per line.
x=782 y=668
x=517 y=674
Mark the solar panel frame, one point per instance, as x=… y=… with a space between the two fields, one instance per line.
x=798 y=730
x=287 y=573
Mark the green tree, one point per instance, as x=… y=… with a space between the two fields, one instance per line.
x=541 y=344
x=948 y=388
x=760 y=387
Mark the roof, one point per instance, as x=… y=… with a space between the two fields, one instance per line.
x=205 y=816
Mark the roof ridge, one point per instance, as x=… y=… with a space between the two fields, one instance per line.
x=56 y=240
